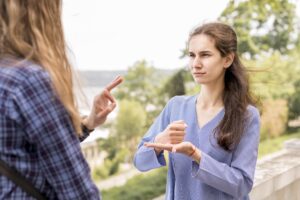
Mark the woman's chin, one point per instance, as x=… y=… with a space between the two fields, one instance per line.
x=200 y=80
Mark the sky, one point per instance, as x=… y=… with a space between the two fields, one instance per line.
x=114 y=34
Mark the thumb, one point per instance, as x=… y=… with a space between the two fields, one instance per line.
x=174 y=149
x=107 y=110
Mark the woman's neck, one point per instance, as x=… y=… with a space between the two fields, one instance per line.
x=210 y=97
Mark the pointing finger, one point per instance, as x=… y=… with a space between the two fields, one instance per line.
x=114 y=83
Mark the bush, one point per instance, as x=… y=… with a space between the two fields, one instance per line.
x=101 y=173
x=274 y=118
x=111 y=165
x=294 y=102
x=141 y=187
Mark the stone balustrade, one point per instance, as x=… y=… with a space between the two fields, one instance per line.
x=277 y=176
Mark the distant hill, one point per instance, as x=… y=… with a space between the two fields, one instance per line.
x=98 y=78
x=103 y=77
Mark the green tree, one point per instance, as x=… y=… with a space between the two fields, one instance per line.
x=138 y=84
x=274 y=76
x=262 y=25
x=129 y=124
x=294 y=102
x=294 y=99
x=175 y=85
x=143 y=84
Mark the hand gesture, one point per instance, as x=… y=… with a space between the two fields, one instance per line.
x=103 y=104
x=173 y=134
x=186 y=148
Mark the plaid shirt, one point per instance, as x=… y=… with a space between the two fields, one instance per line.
x=37 y=137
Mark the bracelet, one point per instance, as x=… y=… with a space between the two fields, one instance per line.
x=85 y=129
x=194 y=149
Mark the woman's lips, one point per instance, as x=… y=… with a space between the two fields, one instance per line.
x=199 y=73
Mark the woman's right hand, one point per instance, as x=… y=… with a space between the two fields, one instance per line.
x=173 y=134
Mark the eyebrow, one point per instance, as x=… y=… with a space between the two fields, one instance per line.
x=201 y=52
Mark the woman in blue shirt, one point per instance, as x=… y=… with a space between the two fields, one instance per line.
x=213 y=136
x=39 y=122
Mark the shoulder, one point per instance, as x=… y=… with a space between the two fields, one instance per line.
x=252 y=117
x=25 y=83
x=19 y=72
x=252 y=112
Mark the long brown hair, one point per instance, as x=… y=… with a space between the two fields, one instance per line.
x=236 y=95
x=32 y=29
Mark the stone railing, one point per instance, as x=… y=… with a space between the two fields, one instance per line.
x=92 y=154
x=277 y=176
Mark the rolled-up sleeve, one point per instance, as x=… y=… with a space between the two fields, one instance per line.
x=235 y=179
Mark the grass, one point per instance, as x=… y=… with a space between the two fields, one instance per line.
x=144 y=186
x=275 y=144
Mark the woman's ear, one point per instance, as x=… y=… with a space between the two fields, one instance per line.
x=228 y=60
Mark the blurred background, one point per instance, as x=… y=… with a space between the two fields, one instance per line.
x=145 y=42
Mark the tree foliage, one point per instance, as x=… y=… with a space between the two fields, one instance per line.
x=175 y=85
x=274 y=76
x=143 y=84
x=294 y=102
x=130 y=124
x=138 y=84
x=262 y=25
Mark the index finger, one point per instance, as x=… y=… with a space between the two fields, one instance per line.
x=114 y=83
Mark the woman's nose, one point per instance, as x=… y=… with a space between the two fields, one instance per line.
x=196 y=63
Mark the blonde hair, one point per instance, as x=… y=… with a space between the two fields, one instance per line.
x=32 y=29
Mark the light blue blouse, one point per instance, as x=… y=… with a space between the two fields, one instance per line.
x=220 y=174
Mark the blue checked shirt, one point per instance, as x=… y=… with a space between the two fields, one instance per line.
x=37 y=137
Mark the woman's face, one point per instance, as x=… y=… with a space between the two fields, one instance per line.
x=206 y=63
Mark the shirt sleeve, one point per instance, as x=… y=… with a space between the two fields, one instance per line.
x=235 y=179
x=145 y=158
x=171 y=180
x=48 y=126
x=85 y=133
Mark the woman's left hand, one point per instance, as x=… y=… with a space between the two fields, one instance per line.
x=186 y=148
x=103 y=104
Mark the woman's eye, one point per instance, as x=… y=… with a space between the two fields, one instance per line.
x=205 y=55
x=191 y=55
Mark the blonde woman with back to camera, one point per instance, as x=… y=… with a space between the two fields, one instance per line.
x=40 y=126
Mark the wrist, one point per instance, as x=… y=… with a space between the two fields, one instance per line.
x=157 y=140
x=192 y=152
x=85 y=123
x=196 y=156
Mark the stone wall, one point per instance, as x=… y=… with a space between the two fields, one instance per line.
x=277 y=176
x=94 y=157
